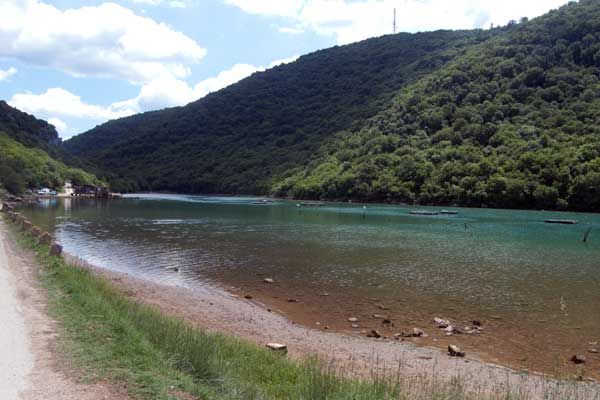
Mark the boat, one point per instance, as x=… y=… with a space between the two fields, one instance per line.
x=561 y=221
x=423 y=212
x=446 y=212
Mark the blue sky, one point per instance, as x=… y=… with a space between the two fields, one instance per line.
x=80 y=63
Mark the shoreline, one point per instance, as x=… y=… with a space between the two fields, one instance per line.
x=220 y=311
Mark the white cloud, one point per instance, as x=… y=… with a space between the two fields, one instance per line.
x=290 y=30
x=106 y=41
x=59 y=124
x=170 y=3
x=5 y=74
x=348 y=21
x=58 y=102
x=281 y=8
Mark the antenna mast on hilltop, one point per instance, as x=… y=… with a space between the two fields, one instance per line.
x=394 y=20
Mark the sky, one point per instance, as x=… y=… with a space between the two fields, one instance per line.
x=78 y=64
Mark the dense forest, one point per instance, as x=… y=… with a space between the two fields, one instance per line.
x=507 y=117
x=242 y=138
x=512 y=123
x=30 y=156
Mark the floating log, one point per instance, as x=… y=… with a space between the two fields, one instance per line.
x=561 y=221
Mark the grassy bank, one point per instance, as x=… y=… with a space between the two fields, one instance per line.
x=155 y=356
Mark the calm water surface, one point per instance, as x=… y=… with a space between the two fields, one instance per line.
x=488 y=264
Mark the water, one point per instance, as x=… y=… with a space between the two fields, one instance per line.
x=536 y=285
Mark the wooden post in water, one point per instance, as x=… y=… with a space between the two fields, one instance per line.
x=587 y=233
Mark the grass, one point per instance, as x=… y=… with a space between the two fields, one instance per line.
x=155 y=356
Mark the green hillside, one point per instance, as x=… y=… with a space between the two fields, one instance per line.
x=512 y=123
x=243 y=138
x=505 y=118
x=30 y=156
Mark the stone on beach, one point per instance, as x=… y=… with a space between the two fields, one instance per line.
x=45 y=238
x=352 y=319
x=55 y=249
x=455 y=351
x=374 y=334
x=36 y=231
x=441 y=323
x=278 y=347
x=578 y=359
x=268 y=280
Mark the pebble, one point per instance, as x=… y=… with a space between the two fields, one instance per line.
x=578 y=359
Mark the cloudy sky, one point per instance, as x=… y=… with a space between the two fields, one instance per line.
x=80 y=63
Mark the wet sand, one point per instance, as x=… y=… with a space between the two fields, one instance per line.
x=218 y=310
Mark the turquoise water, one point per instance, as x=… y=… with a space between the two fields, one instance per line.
x=481 y=262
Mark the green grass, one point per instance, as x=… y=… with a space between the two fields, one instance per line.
x=109 y=337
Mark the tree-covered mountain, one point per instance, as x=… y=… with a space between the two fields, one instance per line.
x=30 y=156
x=243 y=138
x=514 y=122
x=506 y=118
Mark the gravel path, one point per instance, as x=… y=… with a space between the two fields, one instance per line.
x=30 y=366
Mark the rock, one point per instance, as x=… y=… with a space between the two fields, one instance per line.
x=45 y=238
x=292 y=300
x=418 y=332
x=27 y=225
x=453 y=330
x=578 y=359
x=324 y=294
x=441 y=323
x=382 y=307
x=378 y=316
x=386 y=321
x=425 y=357
x=268 y=280
x=455 y=351
x=278 y=347
x=476 y=322
x=36 y=231
x=55 y=249
x=248 y=297
x=593 y=351
x=374 y=334
x=352 y=319
x=355 y=326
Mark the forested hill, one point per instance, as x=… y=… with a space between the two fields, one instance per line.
x=514 y=123
x=26 y=129
x=243 y=138
x=30 y=156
